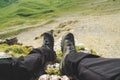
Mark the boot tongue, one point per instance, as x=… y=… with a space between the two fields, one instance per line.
x=69 y=46
x=48 y=41
x=68 y=43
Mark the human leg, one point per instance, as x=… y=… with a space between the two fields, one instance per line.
x=99 y=68
x=24 y=68
x=87 y=66
x=71 y=58
x=36 y=60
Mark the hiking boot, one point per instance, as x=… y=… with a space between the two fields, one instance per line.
x=48 y=40
x=48 y=46
x=67 y=47
x=68 y=43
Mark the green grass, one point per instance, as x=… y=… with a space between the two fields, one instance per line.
x=15 y=50
x=4 y=3
x=17 y=12
x=16 y=32
x=13 y=33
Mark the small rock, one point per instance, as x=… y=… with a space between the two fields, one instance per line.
x=64 y=78
x=4 y=55
x=44 y=77
x=36 y=38
x=55 y=77
x=11 y=40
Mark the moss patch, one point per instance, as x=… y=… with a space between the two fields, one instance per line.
x=15 y=50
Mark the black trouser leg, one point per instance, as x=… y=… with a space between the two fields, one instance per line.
x=24 y=68
x=90 y=67
x=99 y=68
x=36 y=60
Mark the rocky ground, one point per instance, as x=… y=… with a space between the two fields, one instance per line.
x=98 y=32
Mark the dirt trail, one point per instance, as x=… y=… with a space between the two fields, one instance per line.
x=101 y=33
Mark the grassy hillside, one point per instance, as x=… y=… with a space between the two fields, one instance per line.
x=16 y=12
x=4 y=3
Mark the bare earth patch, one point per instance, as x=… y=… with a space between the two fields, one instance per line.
x=101 y=33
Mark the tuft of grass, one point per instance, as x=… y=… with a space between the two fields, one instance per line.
x=79 y=48
x=15 y=50
x=51 y=70
x=94 y=52
x=59 y=56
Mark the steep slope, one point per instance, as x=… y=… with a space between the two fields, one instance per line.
x=100 y=33
x=33 y=11
x=96 y=22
